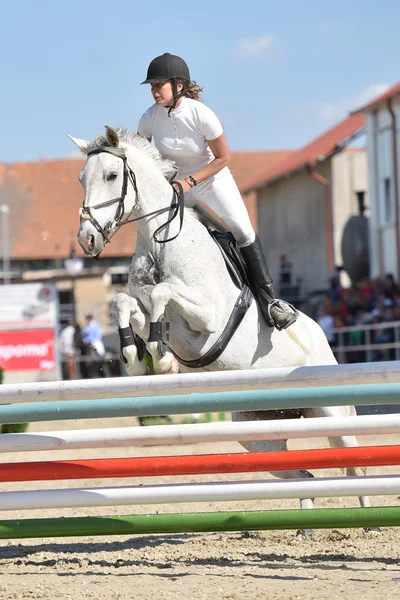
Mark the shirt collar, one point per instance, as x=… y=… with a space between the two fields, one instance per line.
x=179 y=108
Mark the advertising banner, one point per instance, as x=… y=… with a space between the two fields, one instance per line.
x=28 y=306
x=27 y=350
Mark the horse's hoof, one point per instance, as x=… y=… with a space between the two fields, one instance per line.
x=174 y=368
x=306 y=534
x=166 y=365
x=372 y=530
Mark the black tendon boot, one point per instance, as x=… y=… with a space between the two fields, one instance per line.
x=276 y=312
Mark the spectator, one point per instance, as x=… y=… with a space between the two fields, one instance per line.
x=368 y=302
x=285 y=271
x=327 y=322
x=390 y=287
x=334 y=282
x=92 y=335
x=68 y=351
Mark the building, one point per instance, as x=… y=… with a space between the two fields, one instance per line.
x=305 y=200
x=382 y=120
x=43 y=200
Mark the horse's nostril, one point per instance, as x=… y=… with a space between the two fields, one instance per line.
x=91 y=242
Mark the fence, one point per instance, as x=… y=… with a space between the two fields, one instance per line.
x=366 y=343
x=246 y=390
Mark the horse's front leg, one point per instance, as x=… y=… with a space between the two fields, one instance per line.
x=132 y=329
x=188 y=303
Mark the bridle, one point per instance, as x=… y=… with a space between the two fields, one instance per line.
x=176 y=206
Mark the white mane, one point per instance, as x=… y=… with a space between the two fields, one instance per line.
x=129 y=139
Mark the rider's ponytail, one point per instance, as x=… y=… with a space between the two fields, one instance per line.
x=192 y=90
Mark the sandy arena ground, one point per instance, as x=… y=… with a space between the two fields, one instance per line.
x=235 y=566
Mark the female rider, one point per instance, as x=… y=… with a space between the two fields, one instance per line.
x=189 y=133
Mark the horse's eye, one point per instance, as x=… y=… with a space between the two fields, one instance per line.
x=112 y=176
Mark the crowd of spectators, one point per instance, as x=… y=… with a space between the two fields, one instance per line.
x=371 y=301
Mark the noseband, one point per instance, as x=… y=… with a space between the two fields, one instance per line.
x=176 y=206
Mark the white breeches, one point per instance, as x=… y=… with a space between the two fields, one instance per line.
x=222 y=195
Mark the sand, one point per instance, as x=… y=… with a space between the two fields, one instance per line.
x=237 y=566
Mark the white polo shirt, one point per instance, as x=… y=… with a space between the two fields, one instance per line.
x=182 y=136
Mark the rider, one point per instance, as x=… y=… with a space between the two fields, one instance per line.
x=189 y=133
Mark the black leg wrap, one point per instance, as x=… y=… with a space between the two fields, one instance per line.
x=159 y=332
x=140 y=345
x=128 y=338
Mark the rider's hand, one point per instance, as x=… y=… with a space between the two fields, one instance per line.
x=186 y=187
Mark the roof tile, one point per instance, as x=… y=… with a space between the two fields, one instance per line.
x=392 y=91
x=44 y=198
x=321 y=147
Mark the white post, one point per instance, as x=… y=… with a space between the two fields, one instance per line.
x=4 y=210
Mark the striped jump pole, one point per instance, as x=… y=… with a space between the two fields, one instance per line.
x=156 y=466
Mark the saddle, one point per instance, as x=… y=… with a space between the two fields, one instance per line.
x=232 y=256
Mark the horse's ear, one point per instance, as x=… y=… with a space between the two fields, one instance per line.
x=170 y=169
x=112 y=137
x=82 y=144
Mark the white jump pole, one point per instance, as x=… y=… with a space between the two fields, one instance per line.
x=210 y=492
x=219 y=381
x=165 y=435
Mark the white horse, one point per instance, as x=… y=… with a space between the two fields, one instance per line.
x=125 y=179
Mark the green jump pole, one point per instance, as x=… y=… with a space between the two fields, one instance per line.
x=384 y=393
x=326 y=518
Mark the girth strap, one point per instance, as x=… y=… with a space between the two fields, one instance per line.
x=241 y=307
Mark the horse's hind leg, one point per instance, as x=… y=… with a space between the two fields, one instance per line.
x=345 y=441
x=350 y=441
x=273 y=446
x=129 y=314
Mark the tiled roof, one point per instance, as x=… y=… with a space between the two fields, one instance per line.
x=44 y=198
x=246 y=166
x=392 y=91
x=319 y=148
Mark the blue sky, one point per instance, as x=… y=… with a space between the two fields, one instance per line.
x=276 y=73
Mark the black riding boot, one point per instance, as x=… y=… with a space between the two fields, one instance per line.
x=276 y=312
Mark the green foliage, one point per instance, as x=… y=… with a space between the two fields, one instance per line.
x=14 y=427
x=148 y=359
x=162 y=420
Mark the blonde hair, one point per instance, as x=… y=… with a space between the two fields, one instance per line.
x=192 y=90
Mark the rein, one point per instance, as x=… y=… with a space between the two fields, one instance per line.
x=176 y=206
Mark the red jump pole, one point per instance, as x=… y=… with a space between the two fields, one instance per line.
x=367 y=456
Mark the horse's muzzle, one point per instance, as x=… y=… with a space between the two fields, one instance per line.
x=90 y=240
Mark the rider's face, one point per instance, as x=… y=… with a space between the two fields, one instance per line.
x=163 y=92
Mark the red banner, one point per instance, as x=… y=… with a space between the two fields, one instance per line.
x=27 y=350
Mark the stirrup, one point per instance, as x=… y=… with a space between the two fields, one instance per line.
x=284 y=306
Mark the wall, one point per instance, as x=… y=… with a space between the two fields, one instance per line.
x=382 y=192
x=349 y=175
x=291 y=221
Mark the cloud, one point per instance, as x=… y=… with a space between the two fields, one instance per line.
x=263 y=48
x=334 y=111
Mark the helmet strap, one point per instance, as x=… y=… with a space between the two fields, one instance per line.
x=176 y=95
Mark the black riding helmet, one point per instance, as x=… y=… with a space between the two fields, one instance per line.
x=166 y=67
